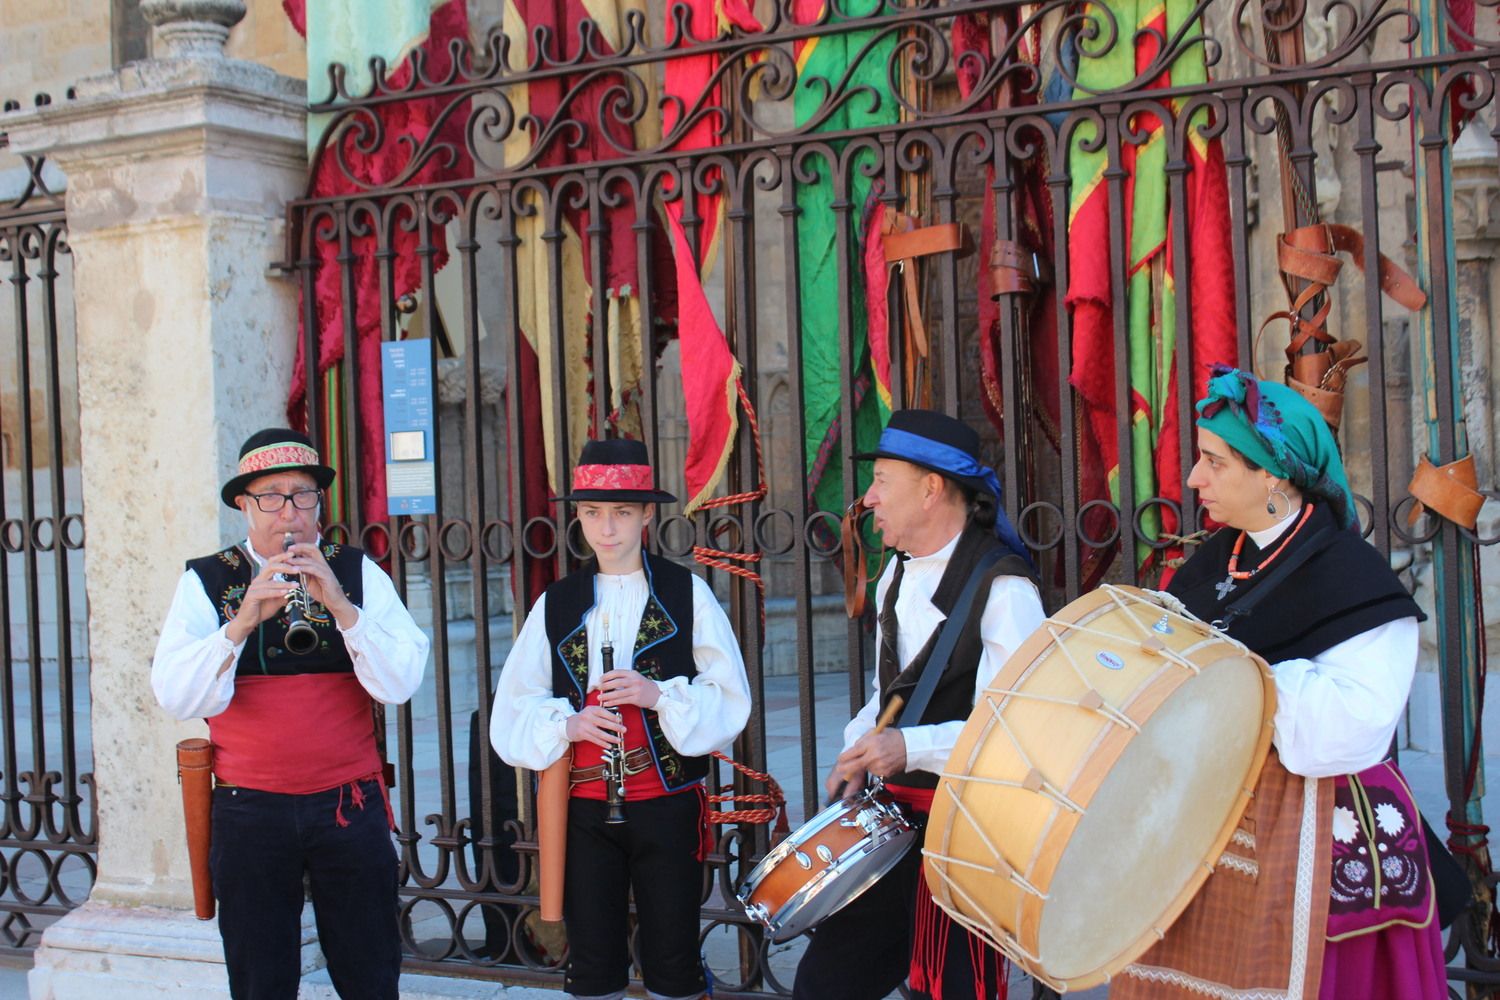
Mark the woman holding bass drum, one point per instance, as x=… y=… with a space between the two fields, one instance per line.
x=1325 y=888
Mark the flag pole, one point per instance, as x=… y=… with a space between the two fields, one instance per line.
x=1454 y=554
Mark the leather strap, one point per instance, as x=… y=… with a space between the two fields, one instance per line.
x=1451 y=491
x=636 y=761
x=1307 y=253
x=937 y=662
x=909 y=240
x=856 y=560
x=1273 y=579
x=1014 y=270
x=1308 y=256
x=903 y=241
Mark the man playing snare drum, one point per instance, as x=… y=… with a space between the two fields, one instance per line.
x=937 y=507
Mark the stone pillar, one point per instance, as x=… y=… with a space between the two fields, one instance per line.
x=179 y=170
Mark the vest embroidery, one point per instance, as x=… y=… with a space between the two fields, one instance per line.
x=226 y=577
x=656 y=627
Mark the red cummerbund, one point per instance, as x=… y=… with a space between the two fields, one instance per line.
x=918 y=799
x=639 y=786
x=295 y=734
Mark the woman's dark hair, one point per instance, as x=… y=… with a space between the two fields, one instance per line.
x=1242 y=457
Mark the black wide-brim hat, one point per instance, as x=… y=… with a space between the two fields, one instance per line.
x=274 y=450
x=936 y=442
x=615 y=471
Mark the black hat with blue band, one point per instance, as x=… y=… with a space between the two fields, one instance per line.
x=939 y=443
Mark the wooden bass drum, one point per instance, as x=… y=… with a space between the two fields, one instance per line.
x=1096 y=783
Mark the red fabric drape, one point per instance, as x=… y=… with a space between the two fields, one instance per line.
x=416 y=118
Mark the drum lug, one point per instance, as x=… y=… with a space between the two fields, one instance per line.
x=802 y=859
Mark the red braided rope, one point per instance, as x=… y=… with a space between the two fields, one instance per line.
x=719 y=558
x=772 y=797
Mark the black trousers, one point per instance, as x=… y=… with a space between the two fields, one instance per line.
x=863 y=952
x=263 y=843
x=654 y=853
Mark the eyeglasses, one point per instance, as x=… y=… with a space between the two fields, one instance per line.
x=270 y=503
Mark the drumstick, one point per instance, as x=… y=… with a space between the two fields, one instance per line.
x=886 y=718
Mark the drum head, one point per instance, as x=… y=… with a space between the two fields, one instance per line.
x=1170 y=791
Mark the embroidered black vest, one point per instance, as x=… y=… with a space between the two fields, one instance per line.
x=227 y=574
x=663 y=649
x=954 y=696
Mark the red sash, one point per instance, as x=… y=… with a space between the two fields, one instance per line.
x=641 y=785
x=295 y=734
x=916 y=799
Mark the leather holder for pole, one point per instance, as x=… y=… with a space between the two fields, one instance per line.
x=1014 y=270
x=195 y=761
x=1451 y=491
x=553 y=786
x=1308 y=256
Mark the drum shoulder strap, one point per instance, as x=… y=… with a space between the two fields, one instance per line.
x=937 y=663
x=1274 y=578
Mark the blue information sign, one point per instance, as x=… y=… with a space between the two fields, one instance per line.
x=410 y=466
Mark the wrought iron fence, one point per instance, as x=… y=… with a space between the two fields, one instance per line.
x=48 y=829
x=519 y=219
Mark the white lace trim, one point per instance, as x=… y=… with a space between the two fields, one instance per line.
x=1242 y=865
x=1307 y=852
x=1202 y=987
x=1243 y=838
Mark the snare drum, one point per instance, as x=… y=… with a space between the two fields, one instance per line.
x=1096 y=783
x=826 y=863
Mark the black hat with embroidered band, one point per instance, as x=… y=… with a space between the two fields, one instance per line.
x=273 y=450
x=615 y=470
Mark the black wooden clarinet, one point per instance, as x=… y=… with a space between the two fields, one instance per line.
x=614 y=757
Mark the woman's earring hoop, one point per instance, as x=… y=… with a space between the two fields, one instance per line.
x=1271 y=503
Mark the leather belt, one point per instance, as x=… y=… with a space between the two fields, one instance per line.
x=1014 y=270
x=636 y=761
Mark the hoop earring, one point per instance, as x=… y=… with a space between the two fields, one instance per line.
x=1271 y=504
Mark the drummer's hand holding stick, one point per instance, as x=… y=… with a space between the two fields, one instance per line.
x=881 y=751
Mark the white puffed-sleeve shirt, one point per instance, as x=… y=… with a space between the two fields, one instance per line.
x=697 y=714
x=388 y=649
x=1012 y=612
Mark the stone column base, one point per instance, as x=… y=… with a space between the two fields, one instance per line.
x=139 y=953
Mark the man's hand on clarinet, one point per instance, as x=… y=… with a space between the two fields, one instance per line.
x=264 y=599
x=322 y=586
x=596 y=725
x=627 y=687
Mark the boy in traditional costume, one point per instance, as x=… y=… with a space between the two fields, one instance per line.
x=631 y=656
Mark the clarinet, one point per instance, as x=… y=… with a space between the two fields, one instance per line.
x=614 y=757
x=301 y=637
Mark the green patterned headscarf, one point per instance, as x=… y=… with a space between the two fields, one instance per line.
x=1274 y=427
